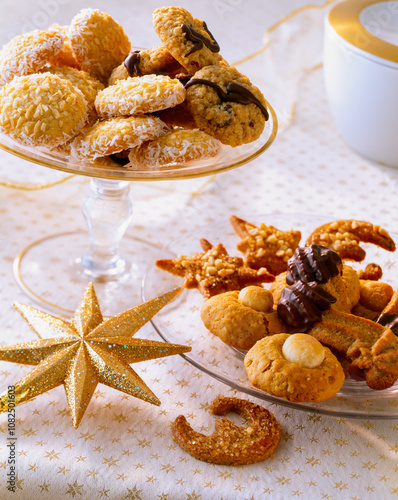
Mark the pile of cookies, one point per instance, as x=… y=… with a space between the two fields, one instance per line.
x=319 y=321
x=60 y=90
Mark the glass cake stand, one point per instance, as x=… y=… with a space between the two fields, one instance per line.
x=54 y=270
x=180 y=321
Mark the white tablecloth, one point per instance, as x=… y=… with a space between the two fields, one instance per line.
x=123 y=447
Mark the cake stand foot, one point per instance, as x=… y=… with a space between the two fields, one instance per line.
x=55 y=270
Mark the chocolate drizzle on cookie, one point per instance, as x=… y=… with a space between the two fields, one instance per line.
x=301 y=304
x=131 y=63
x=313 y=263
x=235 y=93
x=199 y=40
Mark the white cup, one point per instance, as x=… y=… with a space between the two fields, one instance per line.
x=361 y=76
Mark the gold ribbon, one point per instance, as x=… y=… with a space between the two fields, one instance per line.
x=267 y=38
x=34 y=187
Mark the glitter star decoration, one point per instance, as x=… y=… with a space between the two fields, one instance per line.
x=87 y=351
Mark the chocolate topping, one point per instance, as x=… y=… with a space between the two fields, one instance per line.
x=131 y=63
x=389 y=320
x=313 y=263
x=301 y=305
x=199 y=40
x=235 y=93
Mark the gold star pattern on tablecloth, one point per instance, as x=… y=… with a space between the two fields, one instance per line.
x=87 y=351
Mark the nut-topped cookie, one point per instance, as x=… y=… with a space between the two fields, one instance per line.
x=265 y=246
x=225 y=104
x=294 y=367
x=213 y=271
x=188 y=39
x=344 y=237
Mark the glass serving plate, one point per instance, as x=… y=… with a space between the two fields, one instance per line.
x=228 y=158
x=55 y=270
x=180 y=321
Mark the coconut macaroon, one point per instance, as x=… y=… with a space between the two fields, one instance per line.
x=98 y=42
x=41 y=110
x=115 y=135
x=178 y=146
x=28 y=53
x=65 y=57
x=144 y=94
x=88 y=85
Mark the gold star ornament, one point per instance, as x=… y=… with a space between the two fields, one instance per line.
x=87 y=351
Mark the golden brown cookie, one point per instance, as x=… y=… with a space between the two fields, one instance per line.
x=65 y=57
x=41 y=110
x=225 y=104
x=371 y=347
x=115 y=135
x=156 y=60
x=178 y=116
x=26 y=54
x=364 y=312
x=98 y=42
x=389 y=315
x=303 y=371
x=375 y=295
x=136 y=95
x=213 y=271
x=352 y=286
x=265 y=246
x=88 y=85
x=177 y=146
x=232 y=317
x=344 y=236
x=344 y=287
x=186 y=38
x=371 y=272
x=231 y=444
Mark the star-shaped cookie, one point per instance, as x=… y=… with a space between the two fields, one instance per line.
x=213 y=271
x=265 y=246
